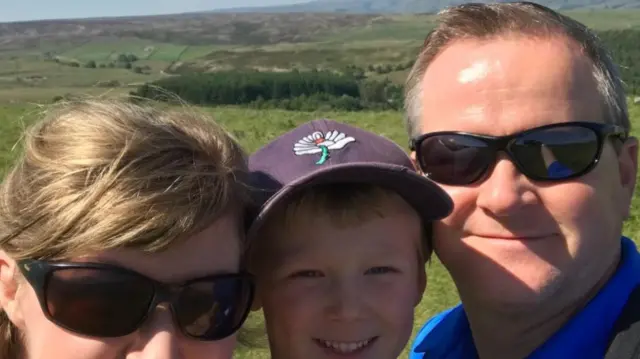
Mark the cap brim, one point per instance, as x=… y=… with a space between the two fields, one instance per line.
x=429 y=200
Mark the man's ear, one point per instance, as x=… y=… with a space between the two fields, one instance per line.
x=9 y=289
x=628 y=169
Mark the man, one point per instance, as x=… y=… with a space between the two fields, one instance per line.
x=520 y=114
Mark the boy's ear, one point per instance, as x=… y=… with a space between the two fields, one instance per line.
x=9 y=289
x=425 y=253
x=422 y=284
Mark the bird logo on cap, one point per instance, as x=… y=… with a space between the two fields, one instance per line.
x=318 y=142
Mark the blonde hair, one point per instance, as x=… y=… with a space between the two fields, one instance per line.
x=105 y=174
x=487 y=21
x=344 y=204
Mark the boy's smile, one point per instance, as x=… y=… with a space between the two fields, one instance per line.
x=346 y=348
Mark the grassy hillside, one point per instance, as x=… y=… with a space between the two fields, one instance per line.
x=184 y=29
x=43 y=59
x=167 y=36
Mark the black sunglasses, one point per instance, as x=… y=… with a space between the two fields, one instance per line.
x=102 y=300
x=548 y=153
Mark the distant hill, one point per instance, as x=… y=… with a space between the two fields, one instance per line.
x=201 y=31
x=424 y=6
x=186 y=29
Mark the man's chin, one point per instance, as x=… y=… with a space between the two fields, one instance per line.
x=513 y=291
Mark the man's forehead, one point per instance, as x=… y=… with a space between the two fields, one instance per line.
x=475 y=64
x=508 y=78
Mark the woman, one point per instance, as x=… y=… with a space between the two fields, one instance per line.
x=121 y=230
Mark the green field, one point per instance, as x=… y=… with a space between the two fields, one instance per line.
x=263 y=42
x=254 y=128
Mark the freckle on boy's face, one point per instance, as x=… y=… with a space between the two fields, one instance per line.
x=350 y=290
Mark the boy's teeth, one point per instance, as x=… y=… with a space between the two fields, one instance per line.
x=345 y=347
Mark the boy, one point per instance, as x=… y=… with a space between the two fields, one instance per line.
x=340 y=242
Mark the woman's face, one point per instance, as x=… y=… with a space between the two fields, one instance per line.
x=214 y=251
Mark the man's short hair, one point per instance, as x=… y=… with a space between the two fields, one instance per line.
x=488 y=21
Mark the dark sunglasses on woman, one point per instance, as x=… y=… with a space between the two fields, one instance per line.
x=103 y=300
x=548 y=153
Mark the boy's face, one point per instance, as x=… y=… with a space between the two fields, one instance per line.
x=347 y=291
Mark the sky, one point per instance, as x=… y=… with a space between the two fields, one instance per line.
x=23 y=10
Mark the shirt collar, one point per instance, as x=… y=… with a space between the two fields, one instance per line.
x=439 y=342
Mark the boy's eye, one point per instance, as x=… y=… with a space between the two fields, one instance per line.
x=381 y=270
x=306 y=274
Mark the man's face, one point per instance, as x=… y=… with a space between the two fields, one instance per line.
x=350 y=292
x=511 y=240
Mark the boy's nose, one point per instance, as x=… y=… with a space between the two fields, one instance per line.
x=345 y=303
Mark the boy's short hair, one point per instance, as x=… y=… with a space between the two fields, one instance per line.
x=345 y=204
x=330 y=155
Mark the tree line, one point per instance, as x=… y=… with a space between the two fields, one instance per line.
x=296 y=90
x=122 y=61
x=348 y=90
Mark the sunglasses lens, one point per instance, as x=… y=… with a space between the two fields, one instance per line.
x=96 y=302
x=454 y=159
x=556 y=153
x=214 y=309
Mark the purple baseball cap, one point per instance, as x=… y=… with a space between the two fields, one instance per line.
x=324 y=152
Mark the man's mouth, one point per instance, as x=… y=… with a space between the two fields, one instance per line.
x=342 y=347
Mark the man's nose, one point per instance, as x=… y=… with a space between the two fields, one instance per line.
x=158 y=338
x=505 y=190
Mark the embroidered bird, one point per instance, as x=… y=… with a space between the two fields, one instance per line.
x=318 y=142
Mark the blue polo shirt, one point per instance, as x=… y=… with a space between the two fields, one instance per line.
x=585 y=336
